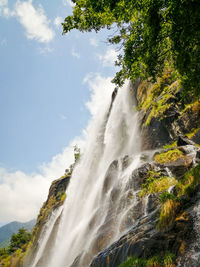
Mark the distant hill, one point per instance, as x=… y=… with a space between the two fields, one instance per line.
x=7 y=230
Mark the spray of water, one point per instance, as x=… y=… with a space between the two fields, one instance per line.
x=100 y=203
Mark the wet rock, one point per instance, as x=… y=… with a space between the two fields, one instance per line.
x=183 y=141
x=144 y=241
x=58 y=187
x=139 y=176
x=110 y=175
x=155 y=135
x=198 y=155
x=179 y=167
x=196 y=137
x=152 y=203
x=165 y=128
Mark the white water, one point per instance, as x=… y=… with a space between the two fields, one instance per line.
x=45 y=235
x=100 y=203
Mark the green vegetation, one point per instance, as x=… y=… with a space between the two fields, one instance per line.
x=193 y=107
x=192 y=133
x=168 y=213
x=16 y=249
x=156 y=183
x=77 y=154
x=166 y=196
x=171 y=203
x=169 y=156
x=174 y=144
x=19 y=240
x=150 y=32
x=168 y=260
x=188 y=184
x=159 y=95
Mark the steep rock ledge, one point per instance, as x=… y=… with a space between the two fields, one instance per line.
x=170 y=125
x=164 y=113
x=164 y=219
x=157 y=233
x=55 y=199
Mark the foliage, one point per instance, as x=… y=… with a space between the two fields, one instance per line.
x=156 y=183
x=188 y=184
x=167 y=260
x=62 y=197
x=77 y=153
x=167 y=213
x=193 y=107
x=168 y=156
x=160 y=95
x=166 y=195
x=3 y=251
x=192 y=132
x=14 y=254
x=170 y=202
x=133 y=262
x=19 y=240
x=149 y=31
x=172 y=145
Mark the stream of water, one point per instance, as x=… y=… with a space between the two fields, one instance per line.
x=100 y=204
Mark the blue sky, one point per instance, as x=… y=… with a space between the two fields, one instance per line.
x=50 y=87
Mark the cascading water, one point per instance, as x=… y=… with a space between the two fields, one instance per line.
x=100 y=202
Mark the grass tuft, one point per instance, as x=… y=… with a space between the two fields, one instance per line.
x=167 y=214
x=169 y=156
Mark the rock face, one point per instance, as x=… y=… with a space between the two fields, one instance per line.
x=55 y=199
x=23 y=257
x=166 y=217
x=146 y=238
x=165 y=114
x=171 y=222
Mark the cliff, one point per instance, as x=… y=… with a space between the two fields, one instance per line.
x=55 y=199
x=164 y=229
x=167 y=233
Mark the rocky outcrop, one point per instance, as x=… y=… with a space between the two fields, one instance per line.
x=165 y=113
x=168 y=181
x=146 y=238
x=167 y=185
x=55 y=199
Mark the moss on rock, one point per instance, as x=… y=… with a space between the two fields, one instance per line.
x=168 y=156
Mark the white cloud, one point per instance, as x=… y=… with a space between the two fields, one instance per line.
x=8 y=12
x=3 y=3
x=22 y=194
x=94 y=42
x=109 y=58
x=45 y=50
x=4 y=8
x=101 y=88
x=75 y=54
x=34 y=21
x=58 y=21
x=68 y=3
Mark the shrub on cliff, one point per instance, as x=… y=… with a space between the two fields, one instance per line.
x=19 y=240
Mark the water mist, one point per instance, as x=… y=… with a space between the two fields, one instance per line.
x=99 y=206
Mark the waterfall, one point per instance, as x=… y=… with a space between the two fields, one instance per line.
x=101 y=202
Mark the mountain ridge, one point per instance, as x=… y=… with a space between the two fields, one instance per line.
x=7 y=230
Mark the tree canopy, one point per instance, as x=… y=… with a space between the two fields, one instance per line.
x=19 y=240
x=149 y=33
